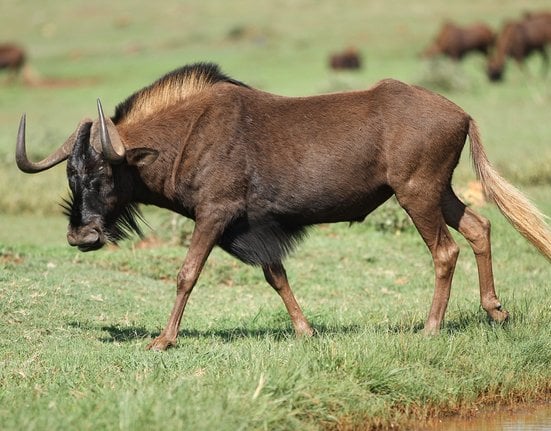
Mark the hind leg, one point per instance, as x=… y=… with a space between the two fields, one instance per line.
x=429 y=221
x=476 y=230
x=277 y=278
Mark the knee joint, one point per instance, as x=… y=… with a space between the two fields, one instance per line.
x=184 y=281
x=481 y=241
x=445 y=259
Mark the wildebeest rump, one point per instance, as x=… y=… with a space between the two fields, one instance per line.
x=518 y=40
x=457 y=41
x=254 y=170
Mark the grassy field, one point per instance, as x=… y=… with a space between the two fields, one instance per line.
x=74 y=326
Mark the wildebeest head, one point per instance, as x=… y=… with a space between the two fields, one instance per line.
x=495 y=71
x=99 y=206
x=505 y=41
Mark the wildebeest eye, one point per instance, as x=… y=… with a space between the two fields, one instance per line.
x=96 y=184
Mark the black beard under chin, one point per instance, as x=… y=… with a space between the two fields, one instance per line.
x=121 y=227
x=125 y=225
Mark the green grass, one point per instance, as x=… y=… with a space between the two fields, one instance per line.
x=74 y=326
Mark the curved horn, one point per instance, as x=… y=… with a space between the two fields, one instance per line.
x=53 y=159
x=111 y=144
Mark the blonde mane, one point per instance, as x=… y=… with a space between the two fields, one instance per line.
x=169 y=90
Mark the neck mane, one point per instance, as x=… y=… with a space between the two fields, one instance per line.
x=169 y=90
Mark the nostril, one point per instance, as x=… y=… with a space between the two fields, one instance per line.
x=71 y=239
x=91 y=237
x=84 y=236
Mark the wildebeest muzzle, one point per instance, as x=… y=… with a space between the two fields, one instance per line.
x=87 y=238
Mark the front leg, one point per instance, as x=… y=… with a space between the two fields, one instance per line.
x=204 y=237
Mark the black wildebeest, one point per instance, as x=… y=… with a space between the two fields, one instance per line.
x=455 y=41
x=254 y=170
x=349 y=59
x=12 y=58
x=518 y=40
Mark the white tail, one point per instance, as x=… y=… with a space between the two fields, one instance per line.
x=520 y=212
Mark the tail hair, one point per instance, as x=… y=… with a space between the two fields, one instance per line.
x=516 y=208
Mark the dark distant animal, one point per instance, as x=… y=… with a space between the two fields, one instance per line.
x=538 y=14
x=348 y=59
x=518 y=40
x=12 y=58
x=456 y=42
x=254 y=170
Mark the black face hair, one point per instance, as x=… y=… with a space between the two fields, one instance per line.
x=123 y=226
x=93 y=183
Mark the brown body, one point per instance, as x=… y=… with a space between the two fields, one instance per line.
x=348 y=59
x=519 y=39
x=254 y=169
x=12 y=58
x=455 y=41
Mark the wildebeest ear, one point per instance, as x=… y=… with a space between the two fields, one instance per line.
x=141 y=156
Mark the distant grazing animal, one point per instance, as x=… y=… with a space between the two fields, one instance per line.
x=255 y=170
x=347 y=59
x=519 y=39
x=538 y=14
x=12 y=58
x=455 y=41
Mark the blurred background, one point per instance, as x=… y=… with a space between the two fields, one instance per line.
x=62 y=55
x=74 y=325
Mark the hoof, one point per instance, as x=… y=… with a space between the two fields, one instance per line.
x=304 y=331
x=432 y=327
x=160 y=343
x=498 y=314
